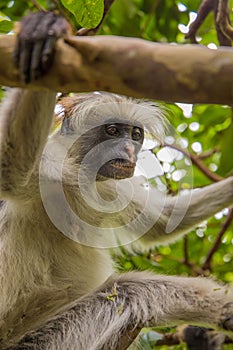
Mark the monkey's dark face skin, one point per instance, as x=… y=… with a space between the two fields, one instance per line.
x=115 y=151
x=126 y=143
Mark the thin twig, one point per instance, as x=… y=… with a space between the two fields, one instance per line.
x=186 y=252
x=222 y=37
x=150 y=15
x=223 y=19
x=128 y=337
x=207 y=263
x=205 y=8
x=201 y=166
x=196 y=271
x=39 y=8
x=207 y=154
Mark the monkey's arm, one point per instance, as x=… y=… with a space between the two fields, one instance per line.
x=181 y=213
x=127 y=304
x=26 y=116
x=25 y=123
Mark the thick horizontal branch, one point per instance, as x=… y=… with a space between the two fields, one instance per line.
x=182 y=73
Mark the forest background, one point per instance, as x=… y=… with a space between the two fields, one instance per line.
x=200 y=149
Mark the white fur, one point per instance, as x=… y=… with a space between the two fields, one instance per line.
x=43 y=273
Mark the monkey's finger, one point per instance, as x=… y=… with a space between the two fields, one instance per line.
x=24 y=45
x=48 y=30
x=25 y=61
x=48 y=53
x=30 y=41
x=35 y=47
x=59 y=28
x=39 y=38
x=36 y=69
x=16 y=53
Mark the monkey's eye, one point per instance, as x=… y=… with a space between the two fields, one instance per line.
x=137 y=134
x=112 y=130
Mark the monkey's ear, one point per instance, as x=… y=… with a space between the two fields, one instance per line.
x=66 y=127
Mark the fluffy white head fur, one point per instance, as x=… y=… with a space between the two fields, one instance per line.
x=93 y=109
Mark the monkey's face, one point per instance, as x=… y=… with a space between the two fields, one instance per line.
x=125 y=142
x=110 y=150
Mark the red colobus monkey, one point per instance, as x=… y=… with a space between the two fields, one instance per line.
x=69 y=197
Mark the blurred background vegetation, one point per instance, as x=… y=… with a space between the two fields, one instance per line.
x=204 y=133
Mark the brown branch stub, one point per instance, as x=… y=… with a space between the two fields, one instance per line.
x=205 y=8
x=128 y=337
x=221 y=14
x=207 y=154
x=132 y=67
x=223 y=19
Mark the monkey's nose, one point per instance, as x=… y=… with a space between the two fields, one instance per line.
x=130 y=150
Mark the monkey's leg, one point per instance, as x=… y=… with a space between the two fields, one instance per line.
x=103 y=319
x=25 y=119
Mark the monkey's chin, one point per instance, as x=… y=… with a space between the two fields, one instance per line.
x=116 y=169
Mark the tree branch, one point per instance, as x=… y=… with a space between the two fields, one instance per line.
x=205 y=8
x=222 y=22
x=132 y=67
x=214 y=248
x=186 y=253
x=199 y=164
x=223 y=19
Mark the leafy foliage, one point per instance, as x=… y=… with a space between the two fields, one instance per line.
x=87 y=13
x=205 y=130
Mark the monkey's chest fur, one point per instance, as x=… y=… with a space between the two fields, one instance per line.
x=41 y=270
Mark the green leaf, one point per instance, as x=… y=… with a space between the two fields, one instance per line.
x=15 y=9
x=87 y=13
x=211 y=115
x=6 y=26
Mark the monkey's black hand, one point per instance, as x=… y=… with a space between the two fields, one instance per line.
x=35 y=46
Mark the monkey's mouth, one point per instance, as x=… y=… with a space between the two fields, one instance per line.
x=121 y=163
x=117 y=169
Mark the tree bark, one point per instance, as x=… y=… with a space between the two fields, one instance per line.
x=134 y=67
